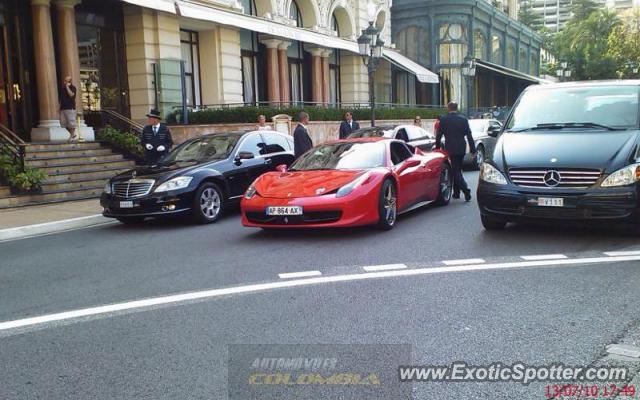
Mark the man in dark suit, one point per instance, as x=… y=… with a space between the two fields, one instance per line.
x=348 y=125
x=156 y=138
x=455 y=129
x=301 y=140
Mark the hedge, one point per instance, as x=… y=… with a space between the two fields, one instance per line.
x=250 y=114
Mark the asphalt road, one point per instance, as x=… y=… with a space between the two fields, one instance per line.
x=504 y=311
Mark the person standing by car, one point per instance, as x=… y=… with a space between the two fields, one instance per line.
x=68 y=115
x=156 y=138
x=262 y=124
x=455 y=128
x=301 y=139
x=348 y=125
x=417 y=121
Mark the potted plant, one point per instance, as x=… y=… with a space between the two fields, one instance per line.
x=28 y=181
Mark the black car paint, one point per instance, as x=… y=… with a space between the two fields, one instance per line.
x=232 y=174
x=606 y=150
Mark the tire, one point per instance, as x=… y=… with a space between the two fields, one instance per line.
x=131 y=220
x=480 y=157
x=446 y=186
x=208 y=203
x=387 y=205
x=492 y=224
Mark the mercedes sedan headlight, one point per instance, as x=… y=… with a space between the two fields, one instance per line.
x=490 y=174
x=623 y=177
x=251 y=191
x=107 y=188
x=180 y=182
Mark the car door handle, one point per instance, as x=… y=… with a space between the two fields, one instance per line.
x=268 y=161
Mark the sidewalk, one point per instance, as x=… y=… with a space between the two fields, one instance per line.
x=27 y=221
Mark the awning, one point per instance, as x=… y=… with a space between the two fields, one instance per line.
x=262 y=25
x=160 y=5
x=508 y=71
x=423 y=74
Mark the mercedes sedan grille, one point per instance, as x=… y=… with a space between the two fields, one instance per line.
x=552 y=178
x=132 y=188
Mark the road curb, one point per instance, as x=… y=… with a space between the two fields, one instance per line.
x=22 y=232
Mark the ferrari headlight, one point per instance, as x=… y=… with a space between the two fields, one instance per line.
x=251 y=191
x=348 y=188
x=107 y=188
x=489 y=173
x=623 y=177
x=179 y=182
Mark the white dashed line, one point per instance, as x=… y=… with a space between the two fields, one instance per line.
x=176 y=299
x=387 y=267
x=544 y=257
x=467 y=261
x=622 y=253
x=302 y=274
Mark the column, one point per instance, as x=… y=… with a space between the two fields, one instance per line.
x=48 y=128
x=273 y=76
x=68 y=57
x=316 y=76
x=283 y=69
x=325 y=76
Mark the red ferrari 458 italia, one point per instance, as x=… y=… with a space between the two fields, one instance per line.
x=348 y=183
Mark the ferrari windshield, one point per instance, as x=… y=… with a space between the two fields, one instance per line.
x=598 y=107
x=344 y=155
x=203 y=149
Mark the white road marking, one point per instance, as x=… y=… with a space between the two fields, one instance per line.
x=622 y=253
x=212 y=293
x=302 y=274
x=544 y=257
x=387 y=267
x=467 y=261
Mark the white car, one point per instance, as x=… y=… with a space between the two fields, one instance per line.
x=411 y=134
x=485 y=133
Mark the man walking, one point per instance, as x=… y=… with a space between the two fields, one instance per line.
x=68 y=115
x=348 y=125
x=301 y=140
x=156 y=138
x=455 y=128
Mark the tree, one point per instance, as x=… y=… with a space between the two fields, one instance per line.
x=528 y=17
x=624 y=44
x=582 y=9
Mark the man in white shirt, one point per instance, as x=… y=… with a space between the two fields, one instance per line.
x=348 y=125
x=156 y=138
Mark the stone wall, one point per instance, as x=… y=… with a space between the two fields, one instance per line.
x=320 y=131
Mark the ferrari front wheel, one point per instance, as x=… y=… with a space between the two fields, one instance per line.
x=387 y=205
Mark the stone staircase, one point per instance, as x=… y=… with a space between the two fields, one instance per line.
x=76 y=171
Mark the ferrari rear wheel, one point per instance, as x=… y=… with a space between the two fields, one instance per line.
x=446 y=186
x=387 y=205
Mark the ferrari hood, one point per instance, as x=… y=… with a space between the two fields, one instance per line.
x=303 y=183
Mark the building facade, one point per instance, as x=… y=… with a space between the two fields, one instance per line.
x=132 y=55
x=443 y=36
x=553 y=14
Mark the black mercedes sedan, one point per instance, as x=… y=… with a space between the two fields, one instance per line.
x=568 y=151
x=199 y=177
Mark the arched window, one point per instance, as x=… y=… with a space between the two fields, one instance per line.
x=522 y=60
x=249 y=7
x=452 y=46
x=511 y=56
x=533 y=63
x=295 y=14
x=479 y=45
x=334 y=24
x=496 y=49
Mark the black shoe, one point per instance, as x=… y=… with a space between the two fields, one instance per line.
x=467 y=195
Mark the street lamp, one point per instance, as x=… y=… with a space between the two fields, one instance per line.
x=563 y=72
x=469 y=71
x=370 y=46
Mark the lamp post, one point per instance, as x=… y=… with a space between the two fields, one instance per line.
x=469 y=71
x=563 y=72
x=370 y=46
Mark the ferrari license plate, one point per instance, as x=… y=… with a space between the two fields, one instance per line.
x=287 y=210
x=550 y=202
x=126 y=204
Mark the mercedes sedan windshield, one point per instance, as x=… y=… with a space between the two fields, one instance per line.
x=349 y=155
x=597 y=107
x=203 y=149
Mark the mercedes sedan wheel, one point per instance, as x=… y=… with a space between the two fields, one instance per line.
x=208 y=203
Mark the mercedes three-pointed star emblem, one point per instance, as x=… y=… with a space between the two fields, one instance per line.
x=552 y=178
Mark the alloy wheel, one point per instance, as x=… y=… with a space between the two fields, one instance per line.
x=210 y=203
x=390 y=205
x=445 y=184
x=480 y=157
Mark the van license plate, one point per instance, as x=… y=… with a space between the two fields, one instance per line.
x=550 y=202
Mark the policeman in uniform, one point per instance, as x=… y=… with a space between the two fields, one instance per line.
x=156 y=138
